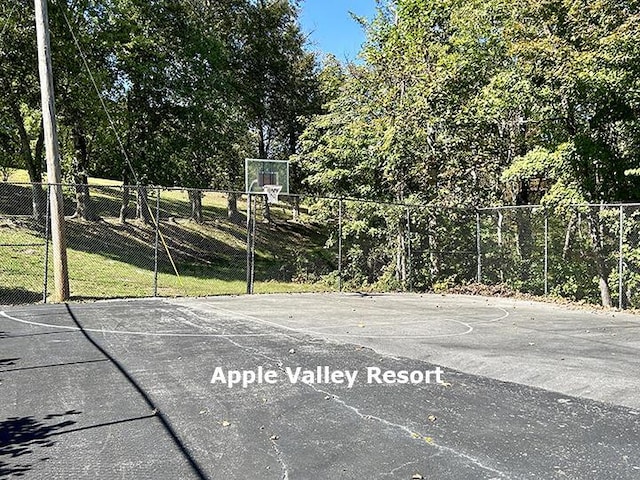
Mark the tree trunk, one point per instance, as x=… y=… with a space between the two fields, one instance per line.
x=267 y=210
x=401 y=241
x=33 y=163
x=500 y=247
x=195 y=199
x=603 y=270
x=262 y=153
x=142 y=204
x=434 y=254
x=125 y=202
x=296 y=209
x=568 y=234
x=232 y=207
x=525 y=242
x=262 y=141
x=605 y=292
x=38 y=201
x=401 y=255
x=525 y=237
x=84 y=206
x=39 y=195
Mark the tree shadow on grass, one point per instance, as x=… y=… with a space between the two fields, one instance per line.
x=22 y=436
x=133 y=244
x=213 y=250
x=191 y=244
x=16 y=296
x=127 y=243
x=15 y=199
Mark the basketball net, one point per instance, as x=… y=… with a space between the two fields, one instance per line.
x=272 y=192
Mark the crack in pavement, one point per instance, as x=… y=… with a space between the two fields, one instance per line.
x=279 y=456
x=390 y=473
x=414 y=435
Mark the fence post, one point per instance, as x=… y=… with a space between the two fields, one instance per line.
x=340 y=245
x=478 y=247
x=47 y=223
x=249 y=240
x=546 y=251
x=409 y=262
x=500 y=246
x=157 y=239
x=253 y=240
x=621 y=259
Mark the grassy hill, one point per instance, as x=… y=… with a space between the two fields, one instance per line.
x=109 y=259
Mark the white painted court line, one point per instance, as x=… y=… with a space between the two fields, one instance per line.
x=412 y=322
x=314 y=331
x=306 y=331
x=133 y=332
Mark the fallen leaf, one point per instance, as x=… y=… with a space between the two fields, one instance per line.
x=432 y=418
x=226 y=423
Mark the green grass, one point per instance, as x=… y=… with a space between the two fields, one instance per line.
x=19 y=176
x=93 y=278
x=108 y=259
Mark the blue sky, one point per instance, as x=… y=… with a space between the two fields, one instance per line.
x=331 y=28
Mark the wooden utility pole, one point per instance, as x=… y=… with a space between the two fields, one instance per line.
x=59 y=244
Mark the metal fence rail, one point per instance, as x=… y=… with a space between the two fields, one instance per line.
x=139 y=241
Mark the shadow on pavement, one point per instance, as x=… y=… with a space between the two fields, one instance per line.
x=21 y=436
x=164 y=421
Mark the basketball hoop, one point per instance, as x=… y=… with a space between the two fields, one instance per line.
x=272 y=192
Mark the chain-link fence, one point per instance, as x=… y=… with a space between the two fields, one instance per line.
x=124 y=242
x=140 y=241
x=23 y=248
x=582 y=252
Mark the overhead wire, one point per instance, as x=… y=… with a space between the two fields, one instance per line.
x=119 y=140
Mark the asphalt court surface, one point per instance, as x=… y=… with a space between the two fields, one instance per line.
x=122 y=389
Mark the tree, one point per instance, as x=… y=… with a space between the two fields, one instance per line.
x=403 y=128
x=210 y=125
x=19 y=103
x=452 y=94
x=277 y=79
x=581 y=62
x=81 y=56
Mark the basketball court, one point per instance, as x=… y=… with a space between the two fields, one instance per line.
x=123 y=389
